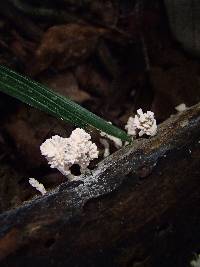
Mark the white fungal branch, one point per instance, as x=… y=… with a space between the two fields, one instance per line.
x=62 y=153
x=141 y=124
x=196 y=261
x=181 y=107
x=54 y=150
x=38 y=186
x=106 y=145
x=117 y=142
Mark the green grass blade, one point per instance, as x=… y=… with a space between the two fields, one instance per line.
x=41 y=97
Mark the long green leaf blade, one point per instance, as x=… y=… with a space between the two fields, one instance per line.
x=41 y=97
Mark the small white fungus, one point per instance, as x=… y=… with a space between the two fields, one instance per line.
x=117 y=142
x=195 y=262
x=142 y=123
x=62 y=153
x=181 y=107
x=106 y=145
x=38 y=186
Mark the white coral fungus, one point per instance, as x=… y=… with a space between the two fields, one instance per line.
x=117 y=142
x=181 y=107
x=142 y=123
x=195 y=262
x=40 y=187
x=106 y=145
x=62 y=153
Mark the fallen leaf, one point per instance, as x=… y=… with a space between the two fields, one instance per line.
x=65 y=46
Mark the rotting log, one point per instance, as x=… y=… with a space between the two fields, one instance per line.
x=139 y=207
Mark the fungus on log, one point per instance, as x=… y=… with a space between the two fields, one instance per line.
x=138 y=204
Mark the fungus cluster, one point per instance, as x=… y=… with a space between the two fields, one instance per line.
x=142 y=124
x=61 y=153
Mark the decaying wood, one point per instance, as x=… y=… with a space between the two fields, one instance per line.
x=136 y=205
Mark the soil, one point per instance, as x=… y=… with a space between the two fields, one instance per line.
x=110 y=58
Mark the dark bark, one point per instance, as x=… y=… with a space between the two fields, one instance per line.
x=140 y=207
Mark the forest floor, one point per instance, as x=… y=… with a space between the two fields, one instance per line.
x=111 y=60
